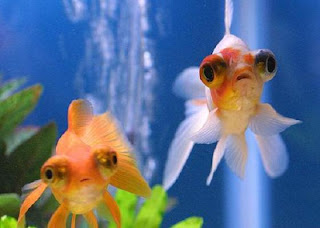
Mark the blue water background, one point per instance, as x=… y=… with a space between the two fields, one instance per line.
x=37 y=40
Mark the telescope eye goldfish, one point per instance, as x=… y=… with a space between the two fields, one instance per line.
x=90 y=155
x=223 y=103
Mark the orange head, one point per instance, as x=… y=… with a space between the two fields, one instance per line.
x=235 y=76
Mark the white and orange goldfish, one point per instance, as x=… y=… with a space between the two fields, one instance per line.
x=90 y=155
x=224 y=105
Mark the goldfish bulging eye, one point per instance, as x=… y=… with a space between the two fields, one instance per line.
x=107 y=161
x=212 y=71
x=266 y=64
x=54 y=171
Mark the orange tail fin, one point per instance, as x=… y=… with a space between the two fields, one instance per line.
x=29 y=201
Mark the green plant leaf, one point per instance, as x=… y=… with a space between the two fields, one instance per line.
x=192 y=222
x=9 y=87
x=20 y=135
x=15 y=108
x=9 y=204
x=127 y=203
x=8 y=222
x=151 y=212
x=30 y=156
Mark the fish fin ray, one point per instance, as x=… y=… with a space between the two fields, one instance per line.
x=236 y=154
x=182 y=145
x=113 y=208
x=187 y=84
x=210 y=132
x=30 y=200
x=274 y=155
x=268 y=122
x=217 y=156
x=59 y=217
x=128 y=176
x=73 y=221
x=91 y=219
x=104 y=131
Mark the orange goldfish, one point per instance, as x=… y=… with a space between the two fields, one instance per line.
x=224 y=103
x=90 y=155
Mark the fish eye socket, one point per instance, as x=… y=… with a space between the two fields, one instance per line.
x=48 y=175
x=106 y=158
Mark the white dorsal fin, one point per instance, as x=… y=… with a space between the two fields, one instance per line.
x=228 y=15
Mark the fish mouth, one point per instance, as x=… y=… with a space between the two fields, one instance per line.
x=243 y=76
x=84 y=179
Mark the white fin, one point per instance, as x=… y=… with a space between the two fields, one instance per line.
x=210 y=132
x=217 y=156
x=228 y=12
x=274 y=154
x=236 y=154
x=268 y=122
x=181 y=145
x=210 y=103
x=188 y=84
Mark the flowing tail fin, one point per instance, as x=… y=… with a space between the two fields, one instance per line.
x=228 y=15
x=189 y=87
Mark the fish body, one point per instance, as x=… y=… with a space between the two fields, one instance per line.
x=223 y=104
x=91 y=155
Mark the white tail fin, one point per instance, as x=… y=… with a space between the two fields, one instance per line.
x=181 y=145
x=188 y=84
x=228 y=15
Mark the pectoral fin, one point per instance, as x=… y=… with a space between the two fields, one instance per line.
x=59 y=218
x=268 y=122
x=128 y=176
x=274 y=155
x=113 y=208
x=91 y=219
x=29 y=201
x=210 y=132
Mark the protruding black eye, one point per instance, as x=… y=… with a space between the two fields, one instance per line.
x=266 y=62
x=49 y=174
x=208 y=73
x=115 y=159
x=271 y=64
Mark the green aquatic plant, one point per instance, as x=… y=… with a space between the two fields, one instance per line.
x=22 y=149
x=9 y=222
x=151 y=212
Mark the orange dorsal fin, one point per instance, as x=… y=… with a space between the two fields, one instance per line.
x=29 y=201
x=91 y=219
x=128 y=177
x=104 y=131
x=59 y=217
x=80 y=115
x=113 y=208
